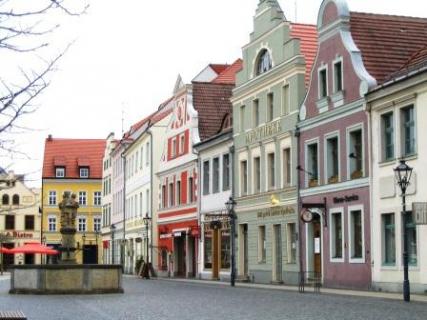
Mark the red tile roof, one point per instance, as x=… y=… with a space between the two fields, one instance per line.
x=228 y=76
x=386 y=41
x=70 y=152
x=307 y=34
x=416 y=62
x=218 y=68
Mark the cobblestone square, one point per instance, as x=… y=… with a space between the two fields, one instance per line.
x=157 y=299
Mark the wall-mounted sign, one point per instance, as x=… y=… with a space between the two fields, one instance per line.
x=19 y=235
x=419 y=210
x=351 y=198
x=165 y=236
x=263 y=132
x=276 y=212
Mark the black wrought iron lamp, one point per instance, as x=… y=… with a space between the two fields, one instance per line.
x=230 y=209
x=147 y=221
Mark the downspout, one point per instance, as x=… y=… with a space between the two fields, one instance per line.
x=233 y=273
x=41 y=218
x=199 y=207
x=122 y=254
x=371 y=192
x=151 y=187
x=301 y=268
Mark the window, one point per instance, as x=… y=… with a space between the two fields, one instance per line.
x=171 y=195
x=52 y=198
x=411 y=236
x=51 y=223
x=244 y=177
x=84 y=172
x=256 y=112
x=226 y=172
x=97 y=224
x=332 y=160
x=15 y=200
x=264 y=62
x=191 y=189
x=97 y=198
x=206 y=177
x=408 y=131
x=287 y=167
x=164 y=202
x=82 y=224
x=182 y=144
x=291 y=243
x=356 y=154
x=312 y=165
x=387 y=128
x=323 y=83
x=147 y=154
x=336 y=236
x=174 y=148
x=141 y=161
x=147 y=202
x=271 y=171
x=338 y=78
x=242 y=118
x=178 y=192
x=9 y=222
x=261 y=244
x=60 y=172
x=257 y=174
x=286 y=103
x=356 y=235
x=225 y=249
x=215 y=175
x=29 y=222
x=270 y=107
x=82 y=198
x=208 y=243
x=5 y=199
x=389 y=239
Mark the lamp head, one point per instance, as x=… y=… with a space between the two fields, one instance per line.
x=403 y=174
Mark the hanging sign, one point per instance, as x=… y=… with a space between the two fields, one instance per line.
x=419 y=211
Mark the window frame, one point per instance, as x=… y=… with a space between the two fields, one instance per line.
x=271 y=171
x=286 y=174
x=307 y=176
x=286 y=105
x=216 y=177
x=383 y=146
x=338 y=60
x=383 y=240
x=256 y=113
x=83 y=218
x=52 y=195
x=350 y=130
x=54 y=223
x=270 y=107
x=332 y=236
x=256 y=174
x=351 y=209
x=330 y=136
x=226 y=172
x=97 y=195
x=320 y=70
x=244 y=187
x=206 y=185
x=403 y=130
x=262 y=244
x=84 y=169
x=83 y=194
x=59 y=169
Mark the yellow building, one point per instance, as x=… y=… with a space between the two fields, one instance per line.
x=73 y=165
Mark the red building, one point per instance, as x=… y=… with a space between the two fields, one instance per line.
x=198 y=111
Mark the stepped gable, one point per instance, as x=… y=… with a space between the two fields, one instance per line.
x=386 y=41
x=69 y=152
x=307 y=33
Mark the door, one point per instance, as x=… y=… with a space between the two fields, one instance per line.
x=277 y=275
x=8 y=259
x=90 y=254
x=317 y=246
x=180 y=256
x=245 y=251
x=215 y=254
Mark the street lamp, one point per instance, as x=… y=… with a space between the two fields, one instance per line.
x=230 y=208
x=403 y=174
x=147 y=220
x=112 y=229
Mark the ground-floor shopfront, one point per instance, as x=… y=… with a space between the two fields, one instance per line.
x=177 y=249
x=267 y=248
x=17 y=239
x=215 y=246
x=336 y=237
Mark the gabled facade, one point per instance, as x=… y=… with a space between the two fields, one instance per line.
x=74 y=165
x=20 y=219
x=269 y=90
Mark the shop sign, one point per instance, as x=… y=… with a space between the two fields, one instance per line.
x=351 y=198
x=19 y=235
x=165 y=236
x=419 y=210
x=263 y=132
x=276 y=212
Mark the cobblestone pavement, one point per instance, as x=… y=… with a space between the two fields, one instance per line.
x=156 y=299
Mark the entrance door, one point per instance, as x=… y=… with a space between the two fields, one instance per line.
x=180 y=256
x=245 y=251
x=317 y=246
x=277 y=274
x=215 y=254
x=90 y=254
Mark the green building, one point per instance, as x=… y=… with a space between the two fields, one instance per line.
x=269 y=90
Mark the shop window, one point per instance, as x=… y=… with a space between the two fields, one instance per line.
x=389 y=239
x=291 y=242
x=356 y=235
x=225 y=249
x=208 y=249
x=336 y=236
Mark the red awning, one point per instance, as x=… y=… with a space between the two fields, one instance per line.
x=31 y=248
x=4 y=250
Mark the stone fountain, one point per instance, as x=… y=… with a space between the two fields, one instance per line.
x=67 y=277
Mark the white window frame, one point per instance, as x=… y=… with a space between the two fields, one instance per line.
x=96 y=197
x=84 y=170
x=85 y=197
x=349 y=232
x=307 y=144
x=83 y=218
x=97 y=220
x=335 y=62
x=333 y=211
x=284 y=183
x=52 y=195
x=218 y=157
x=262 y=244
x=206 y=192
x=319 y=70
x=358 y=126
x=331 y=135
x=58 y=170
x=147 y=154
x=54 y=223
x=381 y=144
x=174 y=151
x=406 y=105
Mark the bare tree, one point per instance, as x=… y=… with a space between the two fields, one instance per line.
x=25 y=27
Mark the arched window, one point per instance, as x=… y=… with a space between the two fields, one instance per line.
x=264 y=62
x=15 y=200
x=5 y=199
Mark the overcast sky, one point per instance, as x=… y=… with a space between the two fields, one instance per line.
x=128 y=54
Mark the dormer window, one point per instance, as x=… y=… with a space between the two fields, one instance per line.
x=60 y=172
x=84 y=172
x=264 y=62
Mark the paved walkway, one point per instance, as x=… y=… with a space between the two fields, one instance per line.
x=5 y=276
x=342 y=292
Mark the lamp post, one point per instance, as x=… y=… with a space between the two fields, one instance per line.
x=403 y=174
x=230 y=208
x=112 y=229
x=147 y=220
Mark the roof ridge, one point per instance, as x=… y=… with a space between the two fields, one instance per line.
x=384 y=15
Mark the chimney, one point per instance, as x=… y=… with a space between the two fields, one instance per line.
x=49 y=137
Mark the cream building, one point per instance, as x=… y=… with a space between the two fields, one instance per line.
x=19 y=216
x=398 y=117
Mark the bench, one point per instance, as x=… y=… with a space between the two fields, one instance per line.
x=12 y=315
